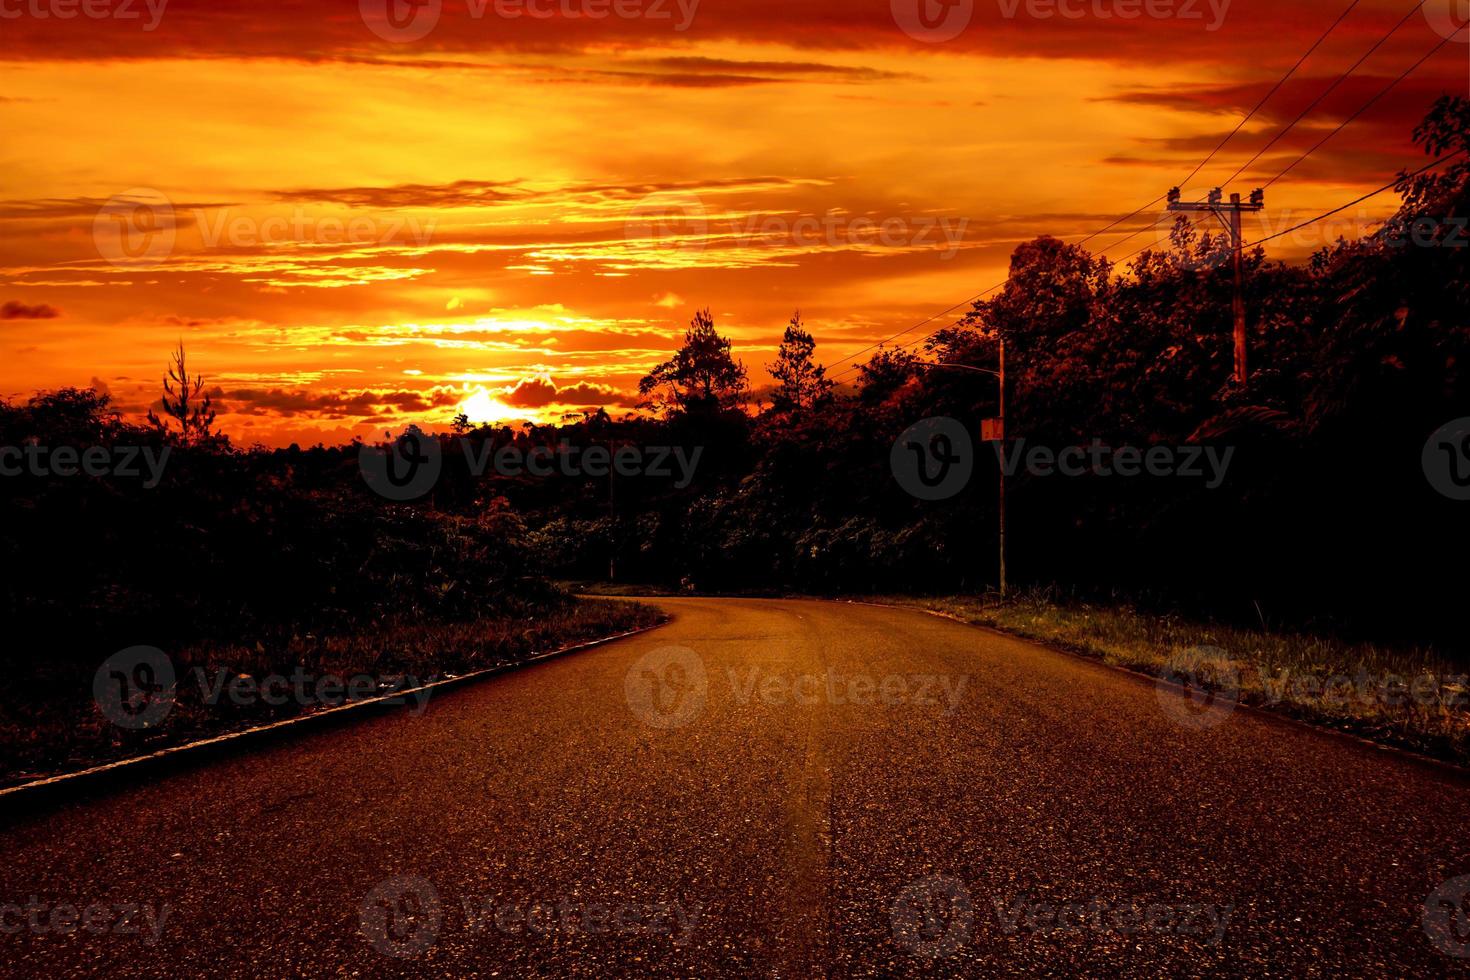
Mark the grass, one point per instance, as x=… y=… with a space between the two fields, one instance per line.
x=59 y=727
x=1411 y=698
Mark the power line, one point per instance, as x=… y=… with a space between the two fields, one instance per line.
x=1274 y=89
x=1325 y=93
x=1365 y=107
x=1260 y=241
x=1327 y=214
x=1240 y=125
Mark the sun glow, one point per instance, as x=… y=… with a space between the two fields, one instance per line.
x=481 y=407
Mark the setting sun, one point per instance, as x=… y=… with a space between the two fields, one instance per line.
x=482 y=407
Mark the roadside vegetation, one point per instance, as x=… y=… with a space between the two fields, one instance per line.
x=1408 y=697
x=237 y=566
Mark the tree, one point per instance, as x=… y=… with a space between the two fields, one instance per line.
x=701 y=377
x=803 y=383
x=184 y=402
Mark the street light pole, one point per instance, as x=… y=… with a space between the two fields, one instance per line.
x=1001 y=499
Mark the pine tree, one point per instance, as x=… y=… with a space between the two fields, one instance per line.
x=802 y=383
x=184 y=402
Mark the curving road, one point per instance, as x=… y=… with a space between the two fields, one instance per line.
x=763 y=788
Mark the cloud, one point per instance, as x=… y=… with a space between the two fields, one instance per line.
x=336 y=404
x=540 y=391
x=21 y=311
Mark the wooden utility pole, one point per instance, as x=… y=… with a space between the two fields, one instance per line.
x=1001 y=499
x=1232 y=223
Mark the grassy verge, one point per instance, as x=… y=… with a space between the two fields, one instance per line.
x=60 y=726
x=1411 y=698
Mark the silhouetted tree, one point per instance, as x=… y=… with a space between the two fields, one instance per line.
x=184 y=402
x=701 y=377
x=802 y=383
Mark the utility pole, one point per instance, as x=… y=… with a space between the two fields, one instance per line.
x=1232 y=223
x=1001 y=498
x=992 y=430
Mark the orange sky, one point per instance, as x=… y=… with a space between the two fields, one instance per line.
x=351 y=229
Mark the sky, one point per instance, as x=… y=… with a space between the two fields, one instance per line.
x=359 y=215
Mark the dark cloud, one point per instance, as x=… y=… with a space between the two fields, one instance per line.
x=339 y=404
x=538 y=392
x=21 y=311
x=335 y=30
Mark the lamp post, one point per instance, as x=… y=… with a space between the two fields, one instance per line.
x=992 y=430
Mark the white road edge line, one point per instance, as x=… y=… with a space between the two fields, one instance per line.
x=313 y=717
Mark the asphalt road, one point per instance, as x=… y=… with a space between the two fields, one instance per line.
x=763 y=788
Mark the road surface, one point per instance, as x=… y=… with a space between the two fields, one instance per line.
x=761 y=788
